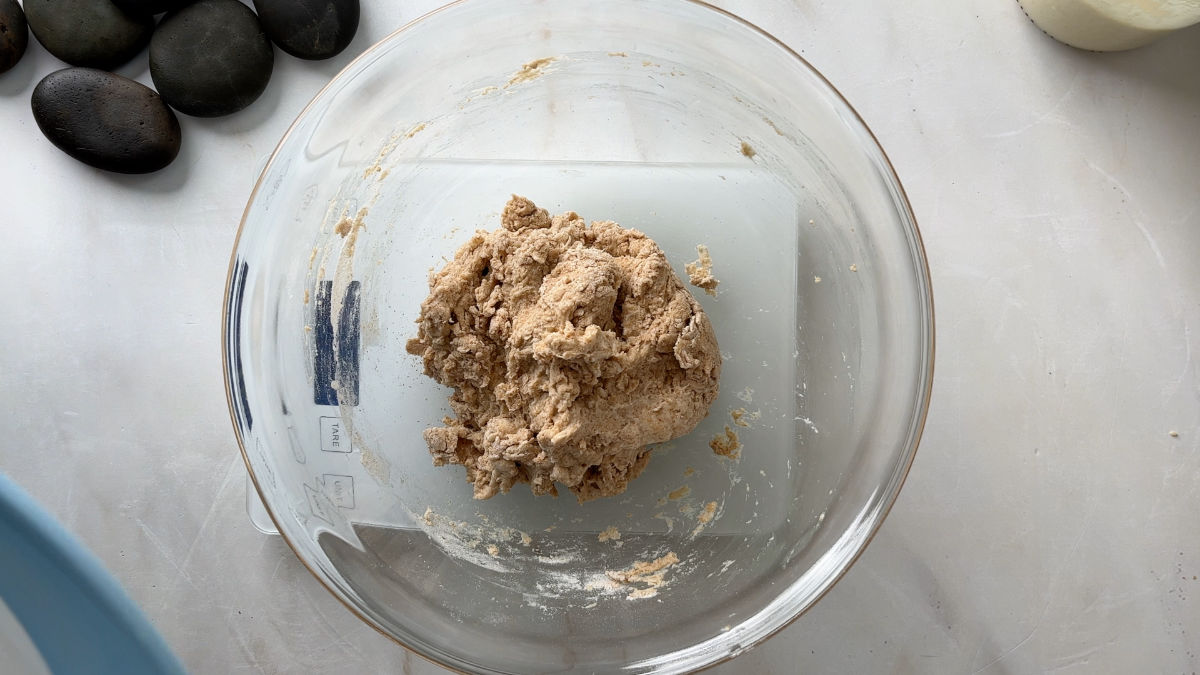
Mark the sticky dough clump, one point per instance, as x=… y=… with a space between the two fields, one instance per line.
x=570 y=349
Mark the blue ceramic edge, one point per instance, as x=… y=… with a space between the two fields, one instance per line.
x=75 y=612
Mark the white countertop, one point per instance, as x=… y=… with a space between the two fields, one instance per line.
x=1051 y=521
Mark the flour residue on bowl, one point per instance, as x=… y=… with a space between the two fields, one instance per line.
x=572 y=573
x=376 y=167
x=531 y=71
x=644 y=578
x=376 y=465
x=667 y=520
x=489 y=546
x=742 y=418
x=415 y=130
x=705 y=517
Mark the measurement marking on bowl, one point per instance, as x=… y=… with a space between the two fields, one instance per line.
x=333 y=436
x=339 y=488
x=320 y=505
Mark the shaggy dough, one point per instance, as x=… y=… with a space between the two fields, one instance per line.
x=569 y=348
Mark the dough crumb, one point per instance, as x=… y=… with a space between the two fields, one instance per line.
x=747 y=150
x=679 y=493
x=526 y=540
x=617 y=54
x=386 y=150
x=688 y=472
x=816 y=280
x=742 y=418
x=746 y=395
x=493 y=550
x=570 y=349
x=650 y=576
x=642 y=569
x=415 y=130
x=531 y=71
x=609 y=534
x=1173 y=434
x=854 y=268
x=348 y=225
x=428 y=516
x=726 y=444
x=700 y=272
x=705 y=517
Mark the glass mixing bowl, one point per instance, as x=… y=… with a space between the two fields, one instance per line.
x=668 y=116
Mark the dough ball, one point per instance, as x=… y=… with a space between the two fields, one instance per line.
x=570 y=349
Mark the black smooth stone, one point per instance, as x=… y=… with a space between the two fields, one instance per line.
x=91 y=33
x=14 y=34
x=211 y=58
x=150 y=7
x=309 y=29
x=105 y=120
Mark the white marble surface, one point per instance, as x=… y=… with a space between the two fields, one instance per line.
x=1049 y=523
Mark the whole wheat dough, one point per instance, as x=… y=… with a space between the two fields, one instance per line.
x=569 y=348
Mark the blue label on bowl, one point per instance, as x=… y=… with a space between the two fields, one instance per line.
x=335 y=361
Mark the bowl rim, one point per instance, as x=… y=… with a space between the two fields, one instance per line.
x=925 y=293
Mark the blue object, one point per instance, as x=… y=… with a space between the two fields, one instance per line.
x=74 y=611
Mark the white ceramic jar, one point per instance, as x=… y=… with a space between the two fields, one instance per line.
x=1111 y=25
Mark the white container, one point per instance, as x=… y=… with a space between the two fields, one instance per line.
x=1110 y=25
